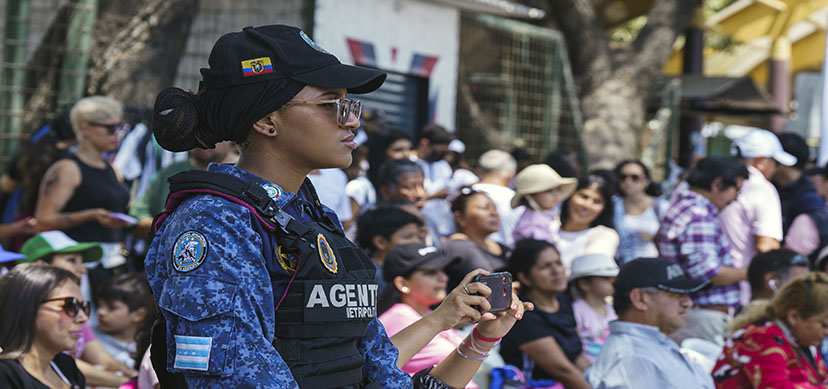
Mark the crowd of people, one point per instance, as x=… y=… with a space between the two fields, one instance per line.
x=717 y=280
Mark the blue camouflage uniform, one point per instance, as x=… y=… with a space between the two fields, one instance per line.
x=219 y=304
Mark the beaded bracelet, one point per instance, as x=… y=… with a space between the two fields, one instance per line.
x=462 y=354
x=483 y=338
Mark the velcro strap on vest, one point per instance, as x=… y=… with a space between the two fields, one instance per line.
x=292 y=350
x=313 y=330
x=334 y=380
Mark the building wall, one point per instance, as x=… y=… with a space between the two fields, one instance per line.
x=404 y=36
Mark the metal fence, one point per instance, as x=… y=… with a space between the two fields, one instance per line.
x=26 y=23
x=515 y=88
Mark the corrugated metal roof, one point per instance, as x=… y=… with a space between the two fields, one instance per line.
x=495 y=7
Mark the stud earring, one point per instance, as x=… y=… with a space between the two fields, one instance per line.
x=272 y=130
x=404 y=289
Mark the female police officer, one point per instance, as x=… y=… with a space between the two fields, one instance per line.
x=238 y=241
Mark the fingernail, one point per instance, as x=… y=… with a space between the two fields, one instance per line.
x=518 y=316
x=514 y=306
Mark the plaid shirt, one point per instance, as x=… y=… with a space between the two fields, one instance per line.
x=692 y=236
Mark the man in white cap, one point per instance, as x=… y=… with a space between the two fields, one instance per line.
x=753 y=223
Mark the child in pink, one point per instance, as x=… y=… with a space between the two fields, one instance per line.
x=591 y=281
x=541 y=189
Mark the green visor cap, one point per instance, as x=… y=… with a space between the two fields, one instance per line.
x=52 y=242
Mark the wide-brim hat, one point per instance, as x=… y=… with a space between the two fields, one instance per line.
x=593 y=265
x=280 y=52
x=52 y=242
x=540 y=178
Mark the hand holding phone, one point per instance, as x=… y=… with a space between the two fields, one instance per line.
x=501 y=286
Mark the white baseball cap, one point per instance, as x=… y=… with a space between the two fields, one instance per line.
x=761 y=143
x=600 y=265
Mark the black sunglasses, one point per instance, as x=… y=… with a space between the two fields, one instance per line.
x=111 y=128
x=72 y=305
x=798 y=260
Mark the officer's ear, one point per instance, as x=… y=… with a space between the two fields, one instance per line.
x=401 y=284
x=380 y=243
x=268 y=125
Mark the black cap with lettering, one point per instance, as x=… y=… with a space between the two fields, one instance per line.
x=658 y=273
x=406 y=258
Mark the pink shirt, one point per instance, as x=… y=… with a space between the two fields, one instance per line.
x=593 y=328
x=802 y=236
x=402 y=315
x=756 y=212
x=87 y=335
x=544 y=225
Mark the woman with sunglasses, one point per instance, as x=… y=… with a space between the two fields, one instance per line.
x=43 y=312
x=256 y=283
x=774 y=343
x=637 y=210
x=79 y=194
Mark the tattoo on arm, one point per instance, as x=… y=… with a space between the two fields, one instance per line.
x=50 y=183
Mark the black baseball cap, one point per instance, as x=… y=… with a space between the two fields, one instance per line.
x=279 y=52
x=406 y=258
x=658 y=273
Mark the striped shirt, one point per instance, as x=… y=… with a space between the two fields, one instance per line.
x=639 y=356
x=692 y=236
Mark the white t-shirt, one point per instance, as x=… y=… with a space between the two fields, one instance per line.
x=646 y=222
x=502 y=198
x=756 y=212
x=595 y=240
x=438 y=211
x=362 y=191
x=330 y=187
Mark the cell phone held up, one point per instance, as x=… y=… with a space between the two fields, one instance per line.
x=501 y=286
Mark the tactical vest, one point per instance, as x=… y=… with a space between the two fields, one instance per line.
x=331 y=297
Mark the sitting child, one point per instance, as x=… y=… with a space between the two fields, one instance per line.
x=591 y=278
x=541 y=189
x=125 y=305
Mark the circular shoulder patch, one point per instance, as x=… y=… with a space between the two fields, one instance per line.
x=189 y=251
x=326 y=254
x=288 y=258
x=273 y=191
x=311 y=43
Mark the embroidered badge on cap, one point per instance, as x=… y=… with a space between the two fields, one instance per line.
x=288 y=258
x=311 y=43
x=273 y=191
x=192 y=352
x=256 y=66
x=326 y=254
x=189 y=251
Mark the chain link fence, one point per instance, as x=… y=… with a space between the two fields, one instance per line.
x=27 y=22
x=515 y=89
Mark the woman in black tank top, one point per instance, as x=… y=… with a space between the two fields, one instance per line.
x=79 y=194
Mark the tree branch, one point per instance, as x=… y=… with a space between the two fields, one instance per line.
x=652 y=48
x=586 y=40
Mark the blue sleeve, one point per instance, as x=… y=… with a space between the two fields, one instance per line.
x=380 y=357
x=208 y=274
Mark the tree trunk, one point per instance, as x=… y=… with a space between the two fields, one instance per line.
x=136 y=49
x=615 y=84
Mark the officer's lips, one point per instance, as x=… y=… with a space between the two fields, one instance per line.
x=349 y=141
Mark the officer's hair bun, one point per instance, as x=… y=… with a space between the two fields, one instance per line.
x=175 y=120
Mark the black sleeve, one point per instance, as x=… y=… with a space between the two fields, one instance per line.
x=67 y=366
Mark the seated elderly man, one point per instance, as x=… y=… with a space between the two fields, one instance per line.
x=651 y=300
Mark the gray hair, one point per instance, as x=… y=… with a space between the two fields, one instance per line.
x=497 y=161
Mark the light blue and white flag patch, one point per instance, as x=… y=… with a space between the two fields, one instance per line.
x=192 y=352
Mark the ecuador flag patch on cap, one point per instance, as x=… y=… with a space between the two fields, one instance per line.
x=254 y=67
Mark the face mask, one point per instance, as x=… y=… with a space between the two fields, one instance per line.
x=435 y=156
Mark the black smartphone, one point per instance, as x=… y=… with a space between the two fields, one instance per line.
x=501 y=286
